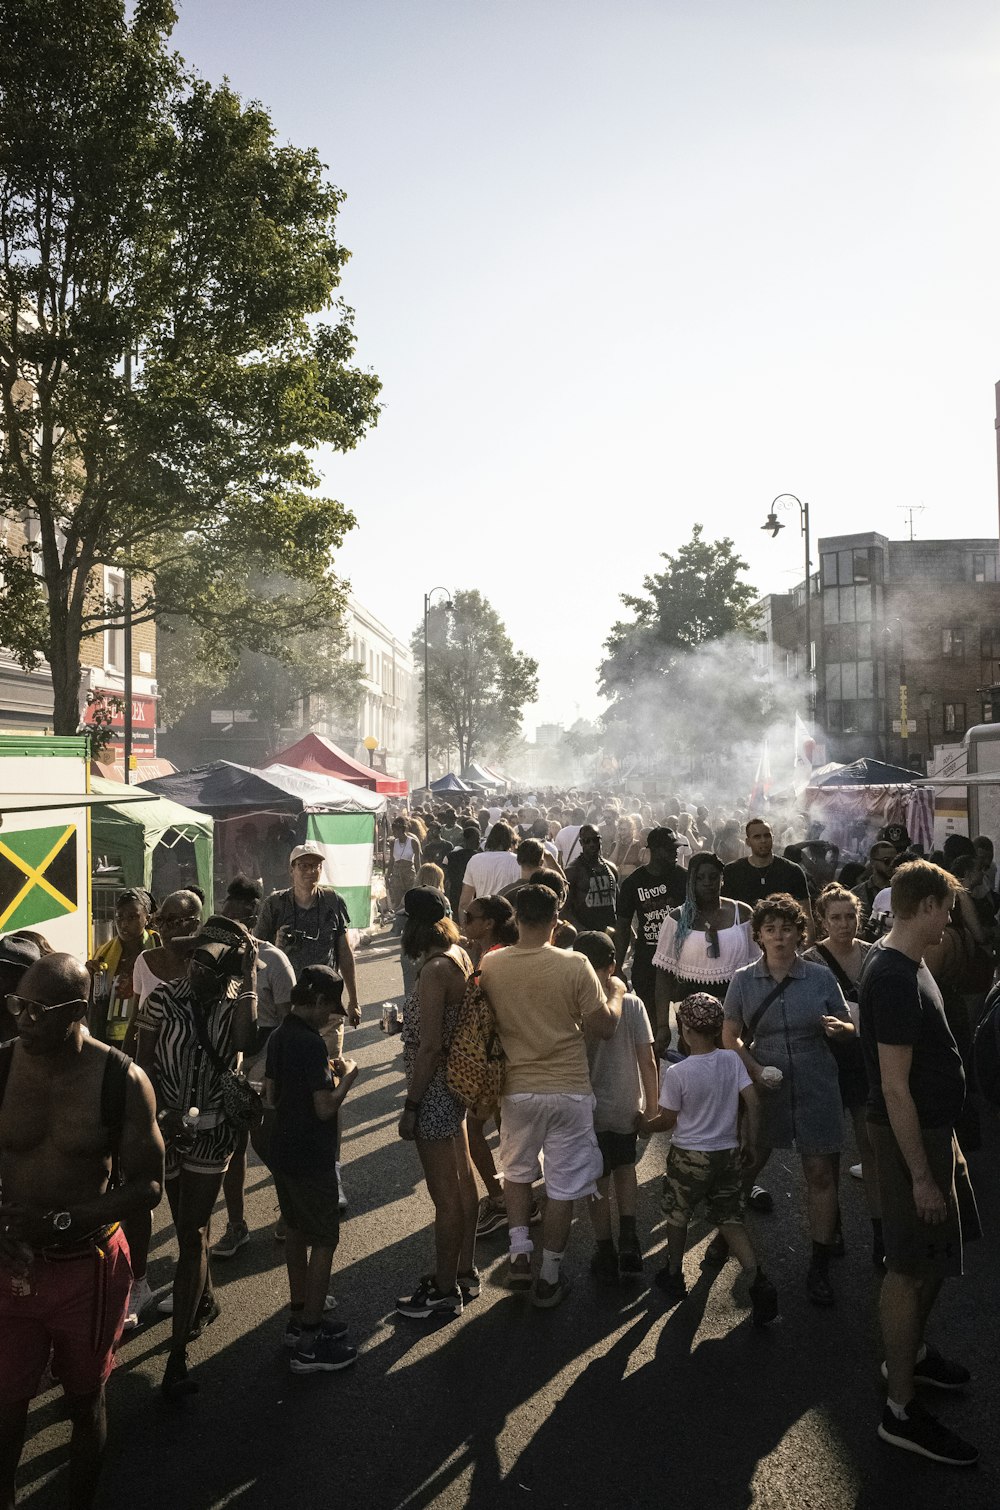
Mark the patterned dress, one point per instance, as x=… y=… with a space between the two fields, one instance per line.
x=441 y=1113
x=186 y=1076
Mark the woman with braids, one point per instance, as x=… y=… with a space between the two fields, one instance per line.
x=779 y=1015
x=115 y=999
x=701 y=944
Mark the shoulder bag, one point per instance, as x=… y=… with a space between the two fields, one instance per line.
x=240 y=1102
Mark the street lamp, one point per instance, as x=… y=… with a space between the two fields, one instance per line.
x=371 y=745
x=427 y=700
x=772 y=525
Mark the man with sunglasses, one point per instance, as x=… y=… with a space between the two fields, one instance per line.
x=69 y=1107
x=592 y=898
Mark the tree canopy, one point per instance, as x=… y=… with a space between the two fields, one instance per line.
x=683 y=663
x=477 y=682
x=171 y=344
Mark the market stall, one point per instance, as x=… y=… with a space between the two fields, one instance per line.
x=852 y=802
x=261 y=815
x=157 y=844
x=314 y=753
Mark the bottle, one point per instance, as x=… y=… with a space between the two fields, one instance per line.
x=190 y=1118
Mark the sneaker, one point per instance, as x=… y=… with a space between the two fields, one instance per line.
x=546 y=1295
x=325 y=1355
x=139 y=1297
x=534 y=1215
x=469 y=1284
x=235 y=1237
x=764 y=1300
x=341 y=1193
x=818 y=1287
x=519 y=1271
x=717 y=1252
x=923 y=1433
x=604 y=1266
x=427 y=1300
x=856 y=1172
x=209 y=1310
x=293 y=1330
x=673 y=1286
x=166 y=1305
x=492 y=1216
x=760 y=1200
x=629 y=1257
x=279 y=1231
x=937 y=1372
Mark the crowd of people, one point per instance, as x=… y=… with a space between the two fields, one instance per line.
x=642 y=968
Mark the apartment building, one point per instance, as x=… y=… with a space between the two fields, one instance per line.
x=905 y=643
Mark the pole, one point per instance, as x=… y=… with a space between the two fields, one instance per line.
x=427 y=701
x=805 y=531
x=127 y=635
x=904 y=710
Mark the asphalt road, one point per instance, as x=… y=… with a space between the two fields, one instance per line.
x=612 y=1400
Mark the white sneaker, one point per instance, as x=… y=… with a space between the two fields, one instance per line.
x=166 y=1305
x=342 y=1197
x=139 y=1298
x=857 y=1173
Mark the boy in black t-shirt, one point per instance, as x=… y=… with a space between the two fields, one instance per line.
x=302 y=1154
x=917 y=1087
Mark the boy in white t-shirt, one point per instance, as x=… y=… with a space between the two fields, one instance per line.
x=700 y=1101
x=623 y=1079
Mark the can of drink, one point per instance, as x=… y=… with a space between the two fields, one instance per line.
x=388 y=1023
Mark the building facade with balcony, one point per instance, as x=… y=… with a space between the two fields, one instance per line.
x=921 y=615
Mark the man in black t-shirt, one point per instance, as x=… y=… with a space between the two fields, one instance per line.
x=763 y=873
x=454 y=870
x=648 y=895
x=917 y=1088
x=593 y=885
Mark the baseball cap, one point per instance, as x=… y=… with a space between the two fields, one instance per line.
x=426 y=904
x=18 y=951
x=304 y=851
x=662 y=838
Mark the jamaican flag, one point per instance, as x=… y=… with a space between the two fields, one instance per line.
x=37 y=876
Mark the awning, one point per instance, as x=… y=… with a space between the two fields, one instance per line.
x=314 y=753
x=224 y=788
x=145 y=770
x=43 y=802
x=131 y=834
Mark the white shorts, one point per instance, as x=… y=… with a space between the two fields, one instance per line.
x=561 y=1129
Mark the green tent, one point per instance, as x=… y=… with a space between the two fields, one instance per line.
x=123 y=836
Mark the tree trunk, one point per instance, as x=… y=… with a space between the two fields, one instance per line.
x=64 y=661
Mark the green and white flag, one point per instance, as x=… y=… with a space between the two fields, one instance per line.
x=347 y=841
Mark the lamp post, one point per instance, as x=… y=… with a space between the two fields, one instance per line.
x=773 y=524
x=371 y=745
x=427 y=700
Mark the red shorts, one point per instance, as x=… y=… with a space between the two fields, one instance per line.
x=76 y=1307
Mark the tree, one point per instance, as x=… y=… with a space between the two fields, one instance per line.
x=477 y=682
x=163 y=375
x=682 y=669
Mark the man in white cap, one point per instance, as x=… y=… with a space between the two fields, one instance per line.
x=310 y=922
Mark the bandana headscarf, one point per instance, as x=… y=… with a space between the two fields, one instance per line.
x=700 y=1012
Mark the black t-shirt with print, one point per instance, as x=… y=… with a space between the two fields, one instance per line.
x=648 y=898
x=900 y=1003
x=743 y=882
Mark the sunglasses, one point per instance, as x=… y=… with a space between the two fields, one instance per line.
x=18 y=1006
x=712 y=940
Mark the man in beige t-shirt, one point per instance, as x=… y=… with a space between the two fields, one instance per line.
x=545 y=999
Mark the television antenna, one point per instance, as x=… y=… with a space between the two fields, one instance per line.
x=911 y=509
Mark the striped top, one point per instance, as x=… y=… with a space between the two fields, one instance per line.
x=184 y=1072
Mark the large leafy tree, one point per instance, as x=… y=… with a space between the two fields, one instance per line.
x=679 y=671
x=171 y=346
x=477 y=682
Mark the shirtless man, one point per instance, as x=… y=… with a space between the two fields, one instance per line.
x=63 y=1257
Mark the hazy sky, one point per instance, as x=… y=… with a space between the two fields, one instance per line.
x=624 y=268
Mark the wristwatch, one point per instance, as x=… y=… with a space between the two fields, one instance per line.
x=59 y=1221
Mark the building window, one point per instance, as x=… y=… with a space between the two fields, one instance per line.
x=954 y=718
x=953 y=644
x=114 y=635
x=984 y=568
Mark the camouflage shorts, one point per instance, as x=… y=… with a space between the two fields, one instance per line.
x=694 y=1175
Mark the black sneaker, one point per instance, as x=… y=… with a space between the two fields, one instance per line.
x=764 y=1300
x=760 y=1200
x=469 y=1284
x=427 y=1300
x=492 y=1217
x=294 y=1330
x=674 y=1286
x=937 y=1372
x=923 y=1433
x=818 y=1287
x=629 y=1257
x=322 y=1354
x=604 y=1266
x=717 y=1252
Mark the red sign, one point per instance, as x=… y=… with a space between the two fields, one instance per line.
x=143 y=715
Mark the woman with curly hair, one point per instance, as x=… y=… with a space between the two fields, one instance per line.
x=779 y=1014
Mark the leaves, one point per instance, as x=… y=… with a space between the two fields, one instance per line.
x=146 y=212
x=477 y=682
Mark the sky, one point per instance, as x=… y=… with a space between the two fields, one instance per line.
x=624 y=269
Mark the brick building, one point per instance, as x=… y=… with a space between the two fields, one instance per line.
x=26 y=696
x=886 y=614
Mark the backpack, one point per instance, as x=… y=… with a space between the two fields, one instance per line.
x=986 y=1049
x=475 y=1063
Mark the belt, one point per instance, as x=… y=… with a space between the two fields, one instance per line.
x=83 y=1247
